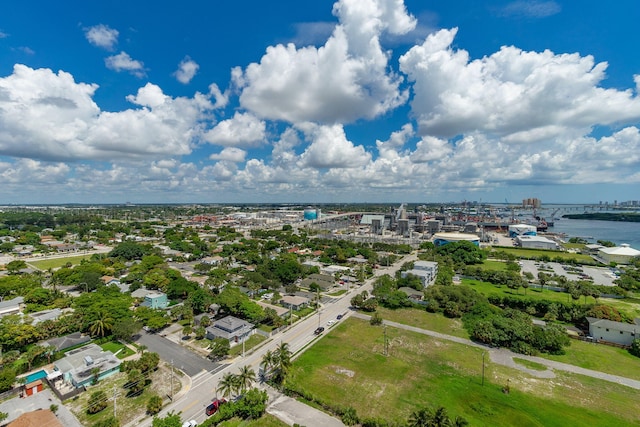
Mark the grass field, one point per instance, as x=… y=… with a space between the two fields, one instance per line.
x=114 y=347
x=425 y=320
x=603 y=358
x=251 y=342
x=267 y=420
x=347 y=367
x=46 y=264
x=494 y=265
x=538 y=253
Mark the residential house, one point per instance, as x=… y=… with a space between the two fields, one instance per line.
x=231 y=328
x=67 y=341
x=12 y=306
x=280 y=311
x=41 y=316
x=325 y=281
x=39 y=417
x=614 y=332
x=426 y=271
x=156 y=300
x=294 y=302
x=78 y=365
x=412 y=293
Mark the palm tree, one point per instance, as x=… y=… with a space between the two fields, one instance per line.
x=282 y=362
x=268 y=360
x=246 y=377
x=141 y=349
x=102 y=324
x=419 y=418
x=227 y=384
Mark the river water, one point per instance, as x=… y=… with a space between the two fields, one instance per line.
x=617 y=232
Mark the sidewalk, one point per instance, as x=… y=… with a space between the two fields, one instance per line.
x=292 y=412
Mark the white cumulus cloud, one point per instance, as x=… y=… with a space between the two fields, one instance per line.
x=123 y=62
x=243 y=130
x=345 y=79
x=102 y=36
x=231 y=154
x=511 y=93
x=48 y=116
x=187 y=69
x=330 y=148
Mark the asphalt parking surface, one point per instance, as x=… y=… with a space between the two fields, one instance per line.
x=182 y=358
x=600 y=275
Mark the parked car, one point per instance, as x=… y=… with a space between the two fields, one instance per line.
x=213 y=407
x=319 y=330
x=191 y=423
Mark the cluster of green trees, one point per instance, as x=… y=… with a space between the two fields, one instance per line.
x=513 y=329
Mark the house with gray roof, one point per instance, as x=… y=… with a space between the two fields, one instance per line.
x=41 y=316
x=12 y=306
x=67 y=341
x=614 y=332
x=231 y=328
x=78 y=365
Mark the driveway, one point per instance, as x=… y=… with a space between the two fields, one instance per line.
x=182 y=358
x=43 y=400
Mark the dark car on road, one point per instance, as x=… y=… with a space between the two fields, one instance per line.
x=339 y=316
x=319 y=330
x=213 y=407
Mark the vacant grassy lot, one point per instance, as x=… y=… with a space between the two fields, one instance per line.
x=539 y=253
x=46 y=264
x=494 y=265
x=251 y=342
x=425 y=320
x=347 y=367
x=128 y=408
x=267 y=420
x=602 y=358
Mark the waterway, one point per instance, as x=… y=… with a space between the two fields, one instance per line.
x=617 y=232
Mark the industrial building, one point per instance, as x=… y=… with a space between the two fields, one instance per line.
x=440 y=239
x=536 y=242
x=622 y=254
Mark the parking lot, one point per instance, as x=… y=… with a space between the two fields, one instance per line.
x=600 y=275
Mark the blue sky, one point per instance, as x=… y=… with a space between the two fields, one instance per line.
x=319 y=102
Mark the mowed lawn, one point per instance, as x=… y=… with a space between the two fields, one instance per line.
x=46 y=264
x=347 y=367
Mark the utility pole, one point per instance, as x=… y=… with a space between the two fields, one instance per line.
x=483 y=354
x=171 y=380
x=318 y=303
x=386 y=345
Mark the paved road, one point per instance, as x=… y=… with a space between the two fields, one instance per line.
x=505 y=357
x=183 y=359
x=192 y=403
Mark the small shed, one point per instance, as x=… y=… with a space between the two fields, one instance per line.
x=33 y=387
